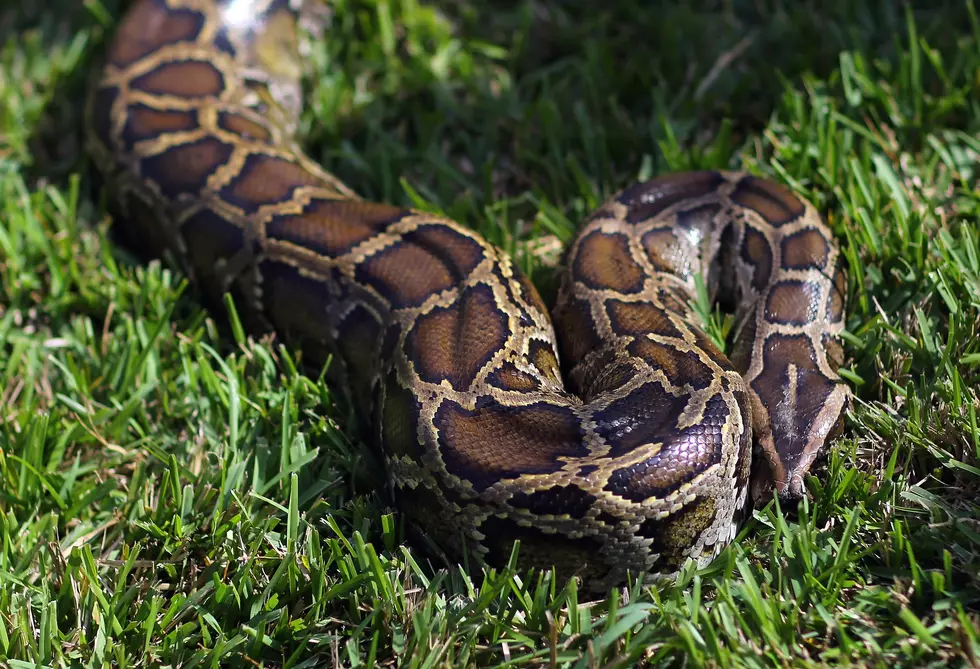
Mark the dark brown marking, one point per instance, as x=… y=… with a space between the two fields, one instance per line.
x=793 y=302
x=424 y=263
x=150 y=25
x=647 y=415
x=399 y=420
x=774 y=202
x=744 y=342
x=559 y=500
x=182 y=78
x=673 y=535
x=835 y=301
x=266 y=180
x=805 y=249
x=454 y=343
x=496 y=441
x=639 y=318
x=298 y=305
x=681 y=367
x=333 y=227
x=672 y=302
x=543 y=357
x=664 y=249
x=144 y=123
x=603 y=262
x=222 y=43
x=651 y=198
x=508 y=377
x=243 y=126
x=406 y=275
x=699 y=218
x=602 y=373
x=185 y=169
x=576 y=331
x=457 y=251
x=684 y=454
x=757 y=252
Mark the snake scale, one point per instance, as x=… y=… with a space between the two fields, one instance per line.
x=631 y=455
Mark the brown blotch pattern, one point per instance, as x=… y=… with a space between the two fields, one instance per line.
x=244 y=127
x=805 y=249
x=774 y=202
x=684 y=454
x=603 y=262
x=645 y=416
x=757 y=252
x=651 y=198
x=639 y=318
x=793 y=302
x=681 y=367
x=664 y=249
x=699 y=218
x=673 y=302
x=185 y=169
x=576 y=331
x=406 y=274
x=543 y=357
x=182 y=78
x=333 y=227
x=149 y=26
x=454 y=343
x=459 y=253
x=144 y=122
x=508 y=377
x=534 y=439
x=296 y=303
x=265 y=180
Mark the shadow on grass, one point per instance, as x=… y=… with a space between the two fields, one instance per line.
x=591 y=83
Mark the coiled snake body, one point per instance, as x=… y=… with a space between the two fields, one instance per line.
x=635 y=459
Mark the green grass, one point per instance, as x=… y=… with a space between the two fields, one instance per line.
x=172 y=496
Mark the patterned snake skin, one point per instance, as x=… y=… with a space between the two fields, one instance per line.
x=635 y=459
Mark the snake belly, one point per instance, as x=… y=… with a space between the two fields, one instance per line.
x=631 y=455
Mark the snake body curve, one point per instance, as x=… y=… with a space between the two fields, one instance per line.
x=635 y=459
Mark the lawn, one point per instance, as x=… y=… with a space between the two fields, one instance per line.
x=171 y=494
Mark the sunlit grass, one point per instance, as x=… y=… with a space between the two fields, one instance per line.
x=172 y=494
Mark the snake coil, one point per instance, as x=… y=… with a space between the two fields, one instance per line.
x=636 y=458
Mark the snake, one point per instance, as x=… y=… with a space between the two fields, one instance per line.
x=609 y=435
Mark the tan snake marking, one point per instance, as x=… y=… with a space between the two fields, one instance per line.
x=635 y=459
